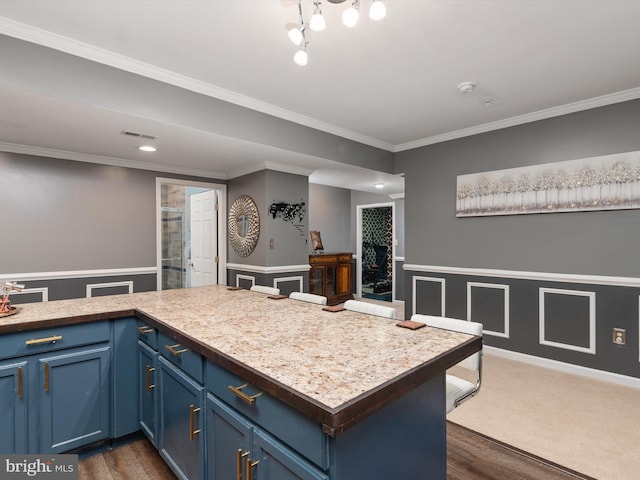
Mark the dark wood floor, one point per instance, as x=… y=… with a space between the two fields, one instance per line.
x=470 y=456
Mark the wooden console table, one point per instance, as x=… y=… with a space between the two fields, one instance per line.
x=331 y=276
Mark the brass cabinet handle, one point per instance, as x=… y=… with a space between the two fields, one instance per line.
x=239 y=393
x=36 y=341
x=46 y=376
x=174 y=349
x=192 y=413
x=19 y=382
x=239 y=457
x=149 y=370
x=144 y=329
x=250 y=466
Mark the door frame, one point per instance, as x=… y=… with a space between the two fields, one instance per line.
x=222 y=224
x=359 y=209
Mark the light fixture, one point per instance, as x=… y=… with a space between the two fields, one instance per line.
x=351 y=14
x=317 y=23
x=147 y=148
x=379 y=185
x=301 y=57
x=377 y=11
x=299 y=33
x=466 y=87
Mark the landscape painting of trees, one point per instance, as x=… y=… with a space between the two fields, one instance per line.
x=606 y=182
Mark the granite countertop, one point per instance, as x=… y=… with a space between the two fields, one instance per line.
x=331 y=366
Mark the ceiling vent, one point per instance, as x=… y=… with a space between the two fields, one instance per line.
x=138 y=135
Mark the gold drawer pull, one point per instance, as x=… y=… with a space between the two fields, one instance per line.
x=192 y=412
x=239 y=458
x=250 y=466
x=149 y=370
x=19 y=382
x=174 y=349
x=36 y=341
x=144 y=329
x=239 y=393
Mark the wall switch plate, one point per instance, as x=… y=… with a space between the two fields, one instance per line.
x=620 y=336
x=271 y=244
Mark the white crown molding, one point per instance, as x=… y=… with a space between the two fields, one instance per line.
x=116 y=162
x=260 y=269
x=545 y=276
x=595 y=102
x=106 y=57
x=616 y=378
x=111 y=272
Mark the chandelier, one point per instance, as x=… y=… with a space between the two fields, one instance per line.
x=298 y=34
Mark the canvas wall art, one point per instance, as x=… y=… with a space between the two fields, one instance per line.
x=606 y=182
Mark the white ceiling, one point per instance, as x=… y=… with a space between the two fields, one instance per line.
x=390 y=84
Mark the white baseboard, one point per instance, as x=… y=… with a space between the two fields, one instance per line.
x=602 y=375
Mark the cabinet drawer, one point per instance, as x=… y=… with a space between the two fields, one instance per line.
x=280 y=420
x=147 y=334
x=188 y=361
x=51 y=339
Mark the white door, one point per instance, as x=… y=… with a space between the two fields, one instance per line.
x=204 y=238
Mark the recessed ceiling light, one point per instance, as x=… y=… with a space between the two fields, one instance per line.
x=147 y=148
x=466 y=87
x=379 y=185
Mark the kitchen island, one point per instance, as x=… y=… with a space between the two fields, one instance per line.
x=375 y=391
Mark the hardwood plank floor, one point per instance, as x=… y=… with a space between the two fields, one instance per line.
x=470 y=456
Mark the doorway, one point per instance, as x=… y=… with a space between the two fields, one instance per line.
x=190 y=233
x=375 y=251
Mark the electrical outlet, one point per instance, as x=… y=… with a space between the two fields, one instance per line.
x=620 y=336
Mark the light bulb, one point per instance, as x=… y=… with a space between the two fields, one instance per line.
x=301 y=57
x=350 y=17
x=377 y=11
x=147 y=148
x=317 y=23
x=295 y=35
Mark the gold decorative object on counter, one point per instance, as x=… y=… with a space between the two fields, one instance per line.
x=5 y=305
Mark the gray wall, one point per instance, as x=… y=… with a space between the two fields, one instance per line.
x=583 y=242
x=60 y=215
x=506 y=298
x=329 y=213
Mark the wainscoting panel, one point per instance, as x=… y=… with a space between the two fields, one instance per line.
x=566 y=318
x=428 y=296
x=31 y=295
x=51 y=286
x=109 y=288
x=288 y=278
x=488 y=303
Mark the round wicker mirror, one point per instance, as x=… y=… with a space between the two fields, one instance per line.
x=244 y=225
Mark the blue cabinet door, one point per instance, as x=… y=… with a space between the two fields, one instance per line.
x=275 y=461
x=75 y=398
x=180 y=421
x=125 y=384
x=147 y=376
x=13 y=407
x=228 y=441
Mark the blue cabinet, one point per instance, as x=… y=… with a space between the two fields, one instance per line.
x=275 y=461
x=55 y=388
x=74 y=397
x=229 y=437
x=238 y=449
x=180 y=421
x=147 y=385
x=13 y=406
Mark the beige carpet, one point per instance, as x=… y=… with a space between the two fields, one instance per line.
x=589 y=426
